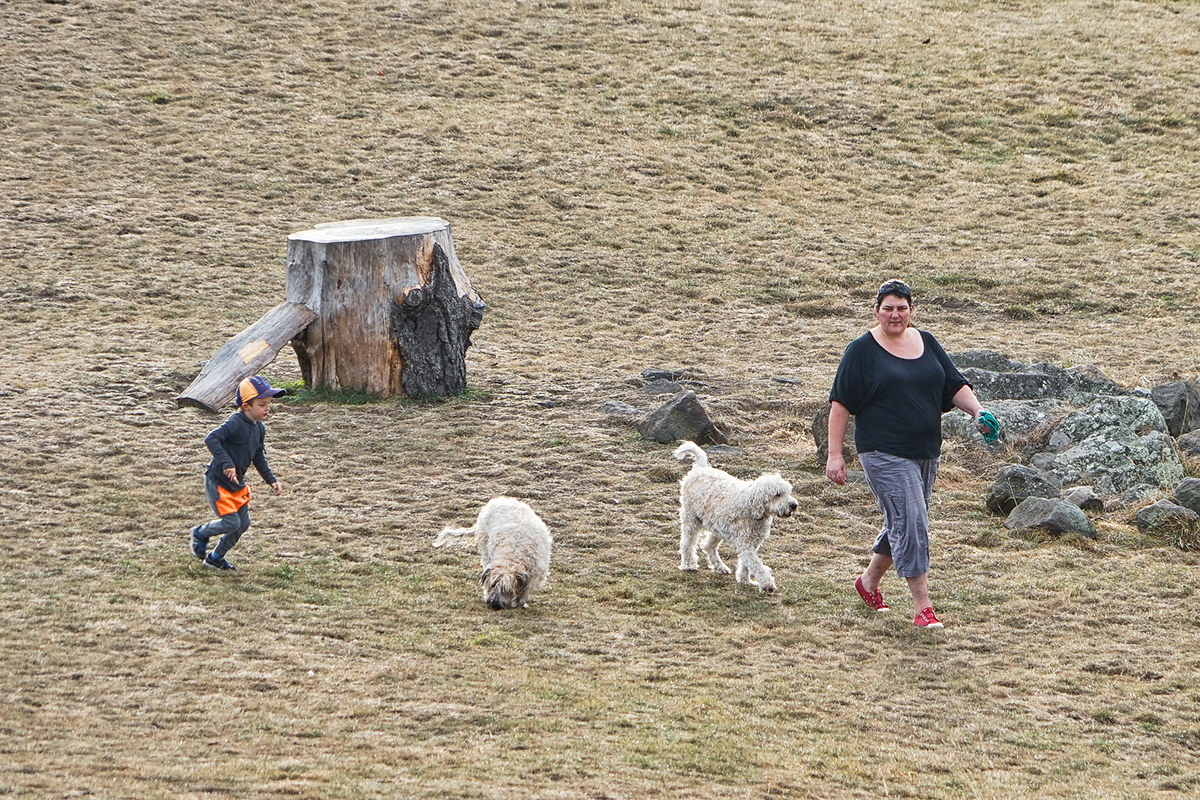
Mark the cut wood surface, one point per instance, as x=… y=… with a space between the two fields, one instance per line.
x=244 y=355
x=395 y=308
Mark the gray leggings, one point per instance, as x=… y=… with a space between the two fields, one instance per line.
x=902 y=487
x=229 y=527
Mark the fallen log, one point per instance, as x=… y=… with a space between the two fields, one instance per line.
x=244 y=355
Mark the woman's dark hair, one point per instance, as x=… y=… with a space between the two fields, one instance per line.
x=893 y=287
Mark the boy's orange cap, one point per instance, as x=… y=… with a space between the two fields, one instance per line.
x=254 y=387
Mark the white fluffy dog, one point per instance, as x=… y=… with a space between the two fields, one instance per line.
x=514 y=551
x=731 y=510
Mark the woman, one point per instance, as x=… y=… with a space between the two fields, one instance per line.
x=897 y=381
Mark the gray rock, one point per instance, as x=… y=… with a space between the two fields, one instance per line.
x=1136 y=414
x=1138 y=494
x=1018 y=418
x=989 y=360
x=1041 y=381
x=1165 y=518
x=1015 y=483
x=652 y=374
x=1084 y=497
x=662 y=386
x=1054 y=515
x=619 y=409
x=990 y=386
x=1187 y=494
x=1189 y=444
x=820 y=432
x=1179 y=403
x=681 y=417
x=1114 y=460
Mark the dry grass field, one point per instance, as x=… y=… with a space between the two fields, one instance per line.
x=676 y=184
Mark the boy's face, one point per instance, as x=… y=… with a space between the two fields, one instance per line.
x=257 y=409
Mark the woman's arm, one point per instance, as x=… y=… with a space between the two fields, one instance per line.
x=835 y=464
x=965 y=399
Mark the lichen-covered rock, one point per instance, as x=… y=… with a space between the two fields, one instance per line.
x=1014 y=483
x=1115 y=459
x=681 y=417
x=1085 y=497
x=1178 y=525
x=1054 y=515
x=1179 y=403
x=1139 y=414
x=1187 y=494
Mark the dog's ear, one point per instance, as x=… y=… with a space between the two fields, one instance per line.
x=483 y=578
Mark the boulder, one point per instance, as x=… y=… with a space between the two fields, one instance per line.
x=1077 y=385
x=1015 y=483
x=1054 y=515
x=1173 y=522
x=1137 y=414
x=681 y=417
x=1084 y=497
x=985 y=359
x=1018 y=418
x=1189 y=444
x=1179 y=403
x=820 y=432
x=1138 y=494
x=618 y=409
x=1115 y=459
x=1187 y=494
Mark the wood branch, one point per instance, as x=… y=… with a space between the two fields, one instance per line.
x=245 y=355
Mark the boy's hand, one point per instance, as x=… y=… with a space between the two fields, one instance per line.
x=277 y=487
x=231 y=473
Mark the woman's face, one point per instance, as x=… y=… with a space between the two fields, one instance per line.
x=893 y=314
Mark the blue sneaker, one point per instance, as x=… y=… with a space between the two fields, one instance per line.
x=219 y=563
x=199 y=546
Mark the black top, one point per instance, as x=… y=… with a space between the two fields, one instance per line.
x=238 y=443
x=897 y=403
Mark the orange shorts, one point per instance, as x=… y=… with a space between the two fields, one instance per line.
x=229 y=502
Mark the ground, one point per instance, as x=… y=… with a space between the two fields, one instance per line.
x=718 y=187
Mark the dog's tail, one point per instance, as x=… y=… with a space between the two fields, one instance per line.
x=451 y=535
x=692 y=449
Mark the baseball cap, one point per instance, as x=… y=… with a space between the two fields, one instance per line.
x=254 y=387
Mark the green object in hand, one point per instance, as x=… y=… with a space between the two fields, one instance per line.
x=989 y=426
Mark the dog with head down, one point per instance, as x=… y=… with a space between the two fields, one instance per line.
x=725 y=508
x=514 y=551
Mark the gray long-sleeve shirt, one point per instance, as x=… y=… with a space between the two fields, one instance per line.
x=238 y=443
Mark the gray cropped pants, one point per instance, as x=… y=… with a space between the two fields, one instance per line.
x=902 y=487
x=229 y=527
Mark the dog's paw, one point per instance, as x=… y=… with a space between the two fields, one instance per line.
x=721 y=569
x=689 y=567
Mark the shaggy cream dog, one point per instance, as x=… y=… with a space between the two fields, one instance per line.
x=731 y=510
x=514 y=551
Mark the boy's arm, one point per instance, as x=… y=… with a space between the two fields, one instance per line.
x=263 y=466
x=215 y=442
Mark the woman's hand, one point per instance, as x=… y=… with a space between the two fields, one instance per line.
x=988 y=425
x=835 y=469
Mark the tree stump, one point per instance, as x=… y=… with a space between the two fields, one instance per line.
x=395 y=310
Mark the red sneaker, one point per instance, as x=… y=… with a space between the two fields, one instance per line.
x=873 y=599
x=927 y=619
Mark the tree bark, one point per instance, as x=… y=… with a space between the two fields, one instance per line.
x=395 y=308
x=244 y=355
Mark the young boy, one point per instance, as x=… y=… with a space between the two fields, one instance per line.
x=235 y=445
